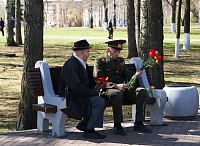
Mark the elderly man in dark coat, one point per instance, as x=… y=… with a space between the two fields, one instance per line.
x=77 y=75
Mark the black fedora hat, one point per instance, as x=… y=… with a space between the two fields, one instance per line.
x=81 y=45
x=116 y=44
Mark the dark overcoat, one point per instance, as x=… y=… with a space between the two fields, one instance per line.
x=80 y=82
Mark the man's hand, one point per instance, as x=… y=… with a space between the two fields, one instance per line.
x=139 y=73
x=121 y=86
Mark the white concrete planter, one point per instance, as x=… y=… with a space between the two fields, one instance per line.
x=183 y=101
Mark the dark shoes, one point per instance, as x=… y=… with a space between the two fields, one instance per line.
x=139 y=126
x=92 y=134
x=119 y=131
x=82 y=126
x=151 y=100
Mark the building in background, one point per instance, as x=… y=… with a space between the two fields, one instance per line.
x=80 y=13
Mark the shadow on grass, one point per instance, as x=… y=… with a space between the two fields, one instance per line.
x=12 y=65
x=181 y=83
x=10 y=98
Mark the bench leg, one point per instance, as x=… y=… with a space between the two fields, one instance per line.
x=156 y=110
x=58 y=125
x=42 y=122
x=133 y=111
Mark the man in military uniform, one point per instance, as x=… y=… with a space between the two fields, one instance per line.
x=113 y=67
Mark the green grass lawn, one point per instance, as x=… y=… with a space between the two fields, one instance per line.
x=182 y=70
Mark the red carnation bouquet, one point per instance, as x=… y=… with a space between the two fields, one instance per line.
x=100 y=83
x=153 y=59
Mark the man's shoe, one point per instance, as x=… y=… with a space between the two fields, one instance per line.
x=119 y=131
x=151 y=100
x=139 y=126
x=92 y=134
x=81 y=126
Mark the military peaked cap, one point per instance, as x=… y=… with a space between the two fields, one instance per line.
x=116 y=44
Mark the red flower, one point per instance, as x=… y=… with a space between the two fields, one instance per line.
x=152 y=55
x=158 y=57
x=100 y=83
x=96 y=78
x=152 y=51
x=104 y=78
x=104 y=84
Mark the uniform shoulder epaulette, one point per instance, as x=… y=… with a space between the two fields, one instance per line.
x=102 y=56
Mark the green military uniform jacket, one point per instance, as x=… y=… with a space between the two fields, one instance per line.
x=115 y=70
x=117 y=73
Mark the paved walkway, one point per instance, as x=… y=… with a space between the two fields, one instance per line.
x=174 y=132
x=100 y=38
x=103 y=38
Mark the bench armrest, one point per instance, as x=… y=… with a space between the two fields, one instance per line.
x=52 y=100
x=46 y=78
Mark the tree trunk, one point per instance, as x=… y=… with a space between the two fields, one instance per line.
x=186 y=42
x=9 y=29
x=156 y=41
x=18 y=22
x=114 y=10
x=91 y=15
x=178 y=30
x=144 y=34
x=105 y=14
x=132 y=49
x=152 y=37
x=137 y=21
x=173 y=23
x=33 y=51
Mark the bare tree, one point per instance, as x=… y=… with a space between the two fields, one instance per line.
x=33 y=51
x=9 y=27
x=91 y=14
x=137 y=15
x=178 y=30
x=105 y=14
x=195 y=9
x=144 y=34
x=18 y=22
x=173 y=21
x=186 y=42
x=114 y=16
x=132 y=49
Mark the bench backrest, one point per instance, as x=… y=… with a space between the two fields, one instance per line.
x=36 y=86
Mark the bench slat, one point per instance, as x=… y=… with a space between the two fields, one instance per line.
x=47 y=108
x=35 y=82
x=37 y=92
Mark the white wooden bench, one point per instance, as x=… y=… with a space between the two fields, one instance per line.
x=44 y=85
